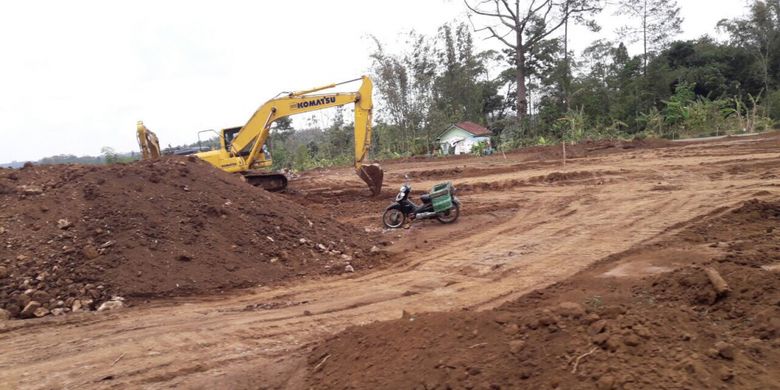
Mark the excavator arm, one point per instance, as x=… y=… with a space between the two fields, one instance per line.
x=241 y=148
x=147 y=141
x=255 y=132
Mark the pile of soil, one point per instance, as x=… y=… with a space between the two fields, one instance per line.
x=666 y=328
x=76 y=236
x=585 y=148
x=599 y=177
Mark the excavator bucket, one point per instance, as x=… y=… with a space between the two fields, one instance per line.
x=373 y=175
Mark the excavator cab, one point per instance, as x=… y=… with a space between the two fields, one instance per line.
x=227 y=137
x=229 y=134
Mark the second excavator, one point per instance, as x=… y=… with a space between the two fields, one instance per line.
x=241 y=148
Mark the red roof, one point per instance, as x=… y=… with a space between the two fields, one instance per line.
x=474 y=128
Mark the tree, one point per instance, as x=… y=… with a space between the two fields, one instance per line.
x=462 y=89
x=405 y=85
x=759 y=32
x=109 y=155
x=521 y=28
x=432 y=82
x=659 y=21
x=283 y=127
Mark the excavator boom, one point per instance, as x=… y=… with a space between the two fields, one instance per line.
x=147 y=141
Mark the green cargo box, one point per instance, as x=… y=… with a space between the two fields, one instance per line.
x=441 y=196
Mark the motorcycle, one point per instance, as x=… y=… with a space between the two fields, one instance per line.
x=446 y=209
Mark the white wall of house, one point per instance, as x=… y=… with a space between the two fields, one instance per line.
x=461 y=140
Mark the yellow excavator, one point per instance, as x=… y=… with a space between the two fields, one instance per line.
x=241 y=149
x=147 y=140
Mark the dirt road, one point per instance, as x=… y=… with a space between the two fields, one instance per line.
x=526 y=224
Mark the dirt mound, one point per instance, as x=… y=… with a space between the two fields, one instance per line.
x=655 y=329
x=576 y=177
x=79 y=235
x=436 y=173
x=554 y=178
x=586 y=148
x=589 y=148
x=464 y=172
x=501 y=185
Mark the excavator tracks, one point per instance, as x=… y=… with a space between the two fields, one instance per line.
x=273 y=182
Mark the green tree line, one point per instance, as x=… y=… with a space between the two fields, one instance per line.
x=536 y=90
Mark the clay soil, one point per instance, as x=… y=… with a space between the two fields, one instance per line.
x=154 y=229
x=578 y=276
x=645 y=318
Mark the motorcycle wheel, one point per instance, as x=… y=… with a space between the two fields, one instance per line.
x=450 y=215
x=393 y=218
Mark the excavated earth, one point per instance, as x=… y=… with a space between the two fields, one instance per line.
x=75 y=237
x=588 y=274
x=645 y=318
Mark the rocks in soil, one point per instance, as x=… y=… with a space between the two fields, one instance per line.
x=114 y=304
x=642 y=331
x=591 y=318
x=606 y=382
x=600 y=339
x=30 y=309
x=516 y=346
x=90 y=252
x=64 y=224
x=725 y=350
x=40 y=296
x=81 y=305
x=650 y=332
x=30 y=190
x=597 y=327
x=570 y=309
x=726 y=374
x=632 y=340
x=130 y=229
x=613 y=343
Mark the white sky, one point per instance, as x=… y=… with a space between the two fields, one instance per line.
x=76 y=75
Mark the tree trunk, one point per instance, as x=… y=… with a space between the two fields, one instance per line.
x=566 y=66
x=522 y=92
x=644 y=37
x=767 y=102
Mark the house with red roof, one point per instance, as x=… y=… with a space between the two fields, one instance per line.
x=461 y=137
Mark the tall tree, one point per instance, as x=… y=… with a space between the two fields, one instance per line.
x=457 y=91
x=523 y=24
x=659 y=21
x=405 y=84
x=759 y=32
x=565 y=82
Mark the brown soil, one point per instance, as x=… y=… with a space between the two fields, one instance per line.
x=538 y=154
x=625 y=323
x=149 y=229
x=634 y=216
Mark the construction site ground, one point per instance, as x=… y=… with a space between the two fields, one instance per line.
x=528 y=222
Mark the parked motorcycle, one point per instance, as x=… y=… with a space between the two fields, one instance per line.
x=441 y=203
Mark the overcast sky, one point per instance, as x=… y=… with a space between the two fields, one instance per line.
x=77 y=75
